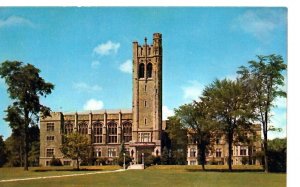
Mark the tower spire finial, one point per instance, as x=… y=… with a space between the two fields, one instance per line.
x=145 y=40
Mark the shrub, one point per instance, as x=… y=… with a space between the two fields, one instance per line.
x=102 y=160
x=128 y=159
x=55 y=162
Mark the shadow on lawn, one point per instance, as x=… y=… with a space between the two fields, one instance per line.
x=224 y=170
x=66 y=169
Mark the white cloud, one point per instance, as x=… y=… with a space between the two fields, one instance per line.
x=193 y=90
x=93 y=104
x=261 y=22
x=95 y=64
x=107 y=48
x=167 y=112
x=126 y=67
x=84 y=87
x=15 y=20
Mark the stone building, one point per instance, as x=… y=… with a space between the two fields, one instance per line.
x=139 y=128
x=243 y=152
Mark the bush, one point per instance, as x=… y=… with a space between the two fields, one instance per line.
x=102 y=160
x=277 y=161
x=55 y=162
x=244 y=160
x=128 y=159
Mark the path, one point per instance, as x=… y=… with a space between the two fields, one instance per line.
x=60 y=176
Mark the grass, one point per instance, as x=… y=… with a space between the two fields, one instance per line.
x=152 y=176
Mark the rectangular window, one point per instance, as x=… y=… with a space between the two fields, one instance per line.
x=50 y=138
x=193 y=162
x=218 y=153
x=192 y=152
x=67 y=163
x=145 y=103
x=47 y=163
x=50 y=126
x=112 y=152
x=50 y=152
x=145 y=121
x=145 y=137
x=243 y=151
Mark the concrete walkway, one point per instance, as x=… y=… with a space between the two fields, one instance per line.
x=60 y=176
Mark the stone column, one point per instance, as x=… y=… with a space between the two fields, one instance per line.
x=90 y=135
x=104 y=136
x=119 y=129
x=76 y=123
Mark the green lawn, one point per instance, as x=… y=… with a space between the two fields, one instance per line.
x=169 y=176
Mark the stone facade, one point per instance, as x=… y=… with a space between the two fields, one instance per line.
x=138 y=128
x=242 y=152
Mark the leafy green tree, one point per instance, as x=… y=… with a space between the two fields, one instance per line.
x=263 y=79
x=15 y=146
x=165 y=158
x=177 y=134
x=3 y=155
x=226 y=104
x=128 y=159
x=193 y=117
x=277 y=155
x=76 y=146
x=25 y=86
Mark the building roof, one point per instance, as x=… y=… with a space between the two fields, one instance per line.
x=108 y=111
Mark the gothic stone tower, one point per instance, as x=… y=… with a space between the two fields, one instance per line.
x=147 y=98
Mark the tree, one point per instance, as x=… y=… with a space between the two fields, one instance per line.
x=3 y=156
x=193 y=117
x=76 y=147
x=177 y=134
x=14 y=148
x=263 y=79
x=165 y=158
x=226 y=104
x=121 y=156
x=277 y=155
x=25 y=86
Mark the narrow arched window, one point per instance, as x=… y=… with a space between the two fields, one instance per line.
x=141 y=70
x=97 y=132
x=149 y=70
x=83 y=128
x=68 y=127
x=112 y=132
x=127 y=131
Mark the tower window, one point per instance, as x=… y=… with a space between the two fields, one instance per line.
x=145 y=121
x=145 y=103
x=149 y=70
x=141 y=70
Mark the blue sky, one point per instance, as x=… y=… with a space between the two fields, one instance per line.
x=86 y=52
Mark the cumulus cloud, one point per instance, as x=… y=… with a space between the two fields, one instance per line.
x=167 y=112
x=93 y=104
x=126 y=67
x=261 y=22
x=193 y=90
x=14 y=21
x=95 y=64
x=107 y=48
x=84 y=87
